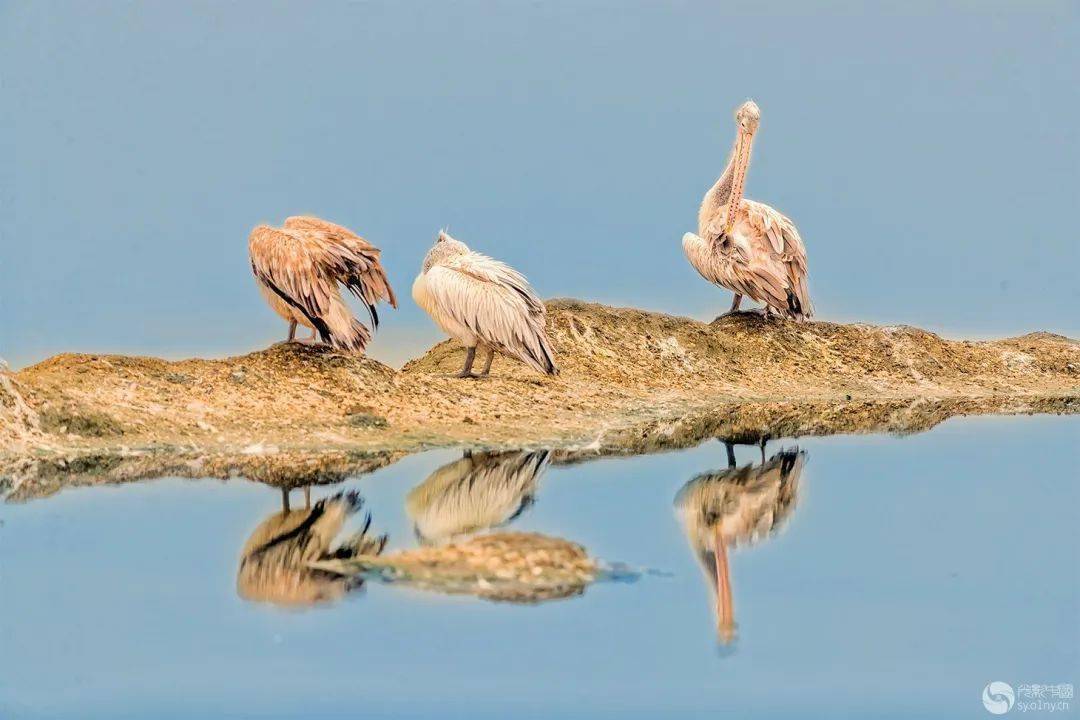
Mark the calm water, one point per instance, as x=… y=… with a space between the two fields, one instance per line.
x=902 y=575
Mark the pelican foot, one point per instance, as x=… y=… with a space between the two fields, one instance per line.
x=466 y=372
x=464 y=375
x=756 y=312
x=297 y=341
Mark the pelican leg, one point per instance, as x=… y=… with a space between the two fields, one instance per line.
x=292 y=332
x=313 y=340
x=764 y=440
x=470 y=355
x=487 y=363
x=730 y=447
x=734 y=305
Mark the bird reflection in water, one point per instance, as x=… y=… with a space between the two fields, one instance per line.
x=480 y=491
x=457 y=512
x=736 y=507
x=275 y=562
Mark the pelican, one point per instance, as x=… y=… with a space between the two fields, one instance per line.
x=732 y=507
x=746 y=246
x=477 y=492
x=298 y=267
x=483 y=302
x=274 y=562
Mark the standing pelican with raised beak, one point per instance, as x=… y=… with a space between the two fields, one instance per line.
x=746 y=246
x=483 y=302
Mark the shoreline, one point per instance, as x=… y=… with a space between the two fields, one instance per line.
x=630 y=380
x=36 y=475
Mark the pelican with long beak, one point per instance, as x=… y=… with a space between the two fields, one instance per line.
x=746 y=246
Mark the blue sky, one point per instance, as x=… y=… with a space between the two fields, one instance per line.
x=927 y=153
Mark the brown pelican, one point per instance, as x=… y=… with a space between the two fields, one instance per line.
x=298 y=268
x=477 y=492
x=481 y=301
x=732 y=507
x=746 y=246
x=274 y=562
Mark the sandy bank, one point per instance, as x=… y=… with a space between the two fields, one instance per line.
x=631 y=381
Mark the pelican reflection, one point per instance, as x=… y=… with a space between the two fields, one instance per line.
x=275 y=562
x=453 y=511
x=736 y=507
x=480 y=491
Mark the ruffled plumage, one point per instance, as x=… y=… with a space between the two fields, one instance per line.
x=299 y=266
x=479 y=300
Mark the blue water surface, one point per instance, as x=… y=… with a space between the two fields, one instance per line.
x=911 y=572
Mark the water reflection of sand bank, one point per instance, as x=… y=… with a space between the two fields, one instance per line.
x=505 y=566
x=457 y=512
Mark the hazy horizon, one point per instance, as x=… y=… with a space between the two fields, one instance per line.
x=927 y=155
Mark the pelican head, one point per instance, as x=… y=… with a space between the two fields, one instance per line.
x=444 y=247
x=748 y=116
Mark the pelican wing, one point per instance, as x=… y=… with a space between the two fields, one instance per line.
x=303 y=267
x=760 y=278
x=357 y=260
x=779 y=230
x=496 y=303
x=782 y=238
x=285 y=261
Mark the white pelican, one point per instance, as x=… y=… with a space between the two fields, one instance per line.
x=480 y=491
x=298 y=268
x=733 y=507
x=274 y=562
x=481 y=301
x=746 y=246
